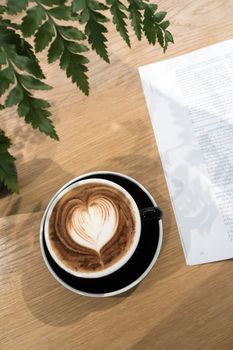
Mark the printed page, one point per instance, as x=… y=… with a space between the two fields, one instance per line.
x=190 y=102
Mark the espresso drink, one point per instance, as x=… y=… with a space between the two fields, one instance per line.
x=92 y=227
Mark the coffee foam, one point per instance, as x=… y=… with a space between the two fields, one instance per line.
x=94 y=224
x=92 y=227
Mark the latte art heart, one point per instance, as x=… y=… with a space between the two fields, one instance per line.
x=92 y=226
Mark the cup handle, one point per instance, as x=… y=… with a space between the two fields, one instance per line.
x=151 y=213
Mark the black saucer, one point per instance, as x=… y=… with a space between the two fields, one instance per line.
x=138 y=265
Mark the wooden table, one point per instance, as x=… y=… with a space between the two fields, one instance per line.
x=176 y=306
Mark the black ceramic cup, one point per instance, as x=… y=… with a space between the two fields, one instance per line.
x=140 y=263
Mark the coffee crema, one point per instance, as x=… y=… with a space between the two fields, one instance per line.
x=92 y=227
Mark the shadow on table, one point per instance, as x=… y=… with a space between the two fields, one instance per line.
x=23 y=137
x=33 y=198
x=51 y=303
x=62 y=307
x=25 y=140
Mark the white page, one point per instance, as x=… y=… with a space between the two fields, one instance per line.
x=190 y=102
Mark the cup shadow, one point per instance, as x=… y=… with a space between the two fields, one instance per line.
x=53 y=304
x=62 y=307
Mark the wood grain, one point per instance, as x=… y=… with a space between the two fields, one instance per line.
x=176 y=306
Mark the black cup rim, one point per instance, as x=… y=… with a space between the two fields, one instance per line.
x=130 y=285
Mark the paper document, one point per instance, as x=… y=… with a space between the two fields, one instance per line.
x=190 y=102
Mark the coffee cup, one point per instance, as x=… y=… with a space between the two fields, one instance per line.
x=92 y=228
x=138 y=256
